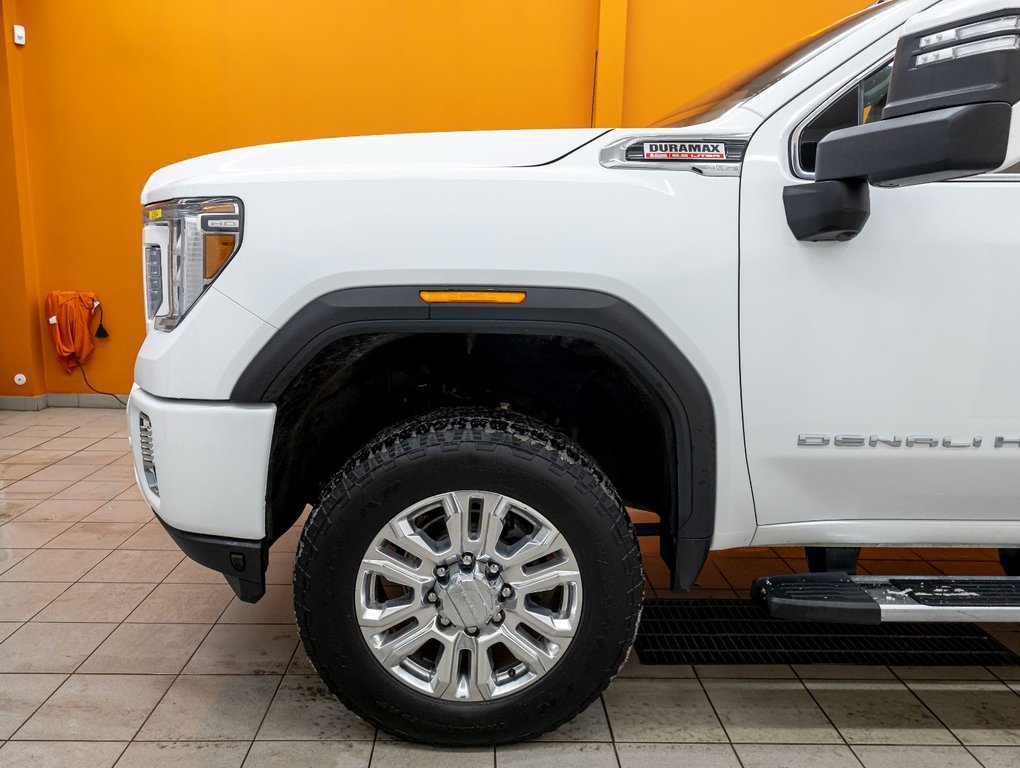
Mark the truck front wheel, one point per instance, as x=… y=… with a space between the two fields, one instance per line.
x=469 y=578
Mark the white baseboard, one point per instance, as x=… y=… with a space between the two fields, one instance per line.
x=59 y=400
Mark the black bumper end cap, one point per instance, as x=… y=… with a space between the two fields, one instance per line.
x=242 y=561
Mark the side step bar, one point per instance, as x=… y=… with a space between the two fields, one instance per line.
x=838 y=597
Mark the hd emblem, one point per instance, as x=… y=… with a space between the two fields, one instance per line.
x=684 y=150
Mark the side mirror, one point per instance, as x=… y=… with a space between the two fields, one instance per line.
x=952 y=109
x=939 y=145
x=827 y=210
x=954 y=88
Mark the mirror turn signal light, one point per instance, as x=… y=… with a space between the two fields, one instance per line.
x=472 y=297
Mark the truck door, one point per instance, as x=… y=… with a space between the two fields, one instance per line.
x=879 y=375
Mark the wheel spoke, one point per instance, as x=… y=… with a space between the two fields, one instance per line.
x=483 y=539
x=540 y=543
x=394 y=652
x=544 y=580
x=525 y=650
x=383 y=616
x=455 y=506
x=446 y=670
x=544 y=622
x=397 y=571
x=465 y=668
x=407 y=538
x=494 y=524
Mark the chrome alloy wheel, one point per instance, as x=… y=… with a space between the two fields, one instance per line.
x=468 y=595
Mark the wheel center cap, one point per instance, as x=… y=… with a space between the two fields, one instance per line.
x=469 y=600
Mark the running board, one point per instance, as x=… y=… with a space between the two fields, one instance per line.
x=838 y=597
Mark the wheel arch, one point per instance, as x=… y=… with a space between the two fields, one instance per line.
x=604 y=321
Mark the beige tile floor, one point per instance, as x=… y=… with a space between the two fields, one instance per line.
x=114 y=649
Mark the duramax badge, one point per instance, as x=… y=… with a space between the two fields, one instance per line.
x=692 y=150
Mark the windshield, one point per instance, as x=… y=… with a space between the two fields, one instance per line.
x=755 y=79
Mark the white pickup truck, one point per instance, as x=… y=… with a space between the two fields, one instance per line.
x=787 y=315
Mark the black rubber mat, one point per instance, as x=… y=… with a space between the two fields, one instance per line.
x=737 y=632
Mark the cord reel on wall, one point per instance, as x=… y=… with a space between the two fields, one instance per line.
x=75 y=320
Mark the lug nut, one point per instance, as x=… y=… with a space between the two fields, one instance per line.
x=471 y=631
x=441 y=571
x=506 y=591
x=492 y=568
x=444 y=622
x=467 y=559
x=498 y=618
x=432 y=597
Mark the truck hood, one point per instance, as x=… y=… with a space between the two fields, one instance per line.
x=299 y=159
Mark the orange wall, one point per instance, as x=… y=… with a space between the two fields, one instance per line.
x=19 y=328
x=670 y=58
x=106 y=91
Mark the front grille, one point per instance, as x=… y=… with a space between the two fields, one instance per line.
x=148 y=452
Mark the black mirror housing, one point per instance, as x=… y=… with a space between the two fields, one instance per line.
x=937 y=145
x=827 y=210
x=984 y=77
x=955 y=81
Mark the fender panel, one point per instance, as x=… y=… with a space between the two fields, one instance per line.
x=554 y=311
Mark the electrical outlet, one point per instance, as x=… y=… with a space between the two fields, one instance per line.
x=19 y=34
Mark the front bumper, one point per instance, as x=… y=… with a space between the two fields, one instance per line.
x=202 y=467
x=211 y=461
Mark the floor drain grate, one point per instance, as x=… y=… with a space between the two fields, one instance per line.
x=737 y=632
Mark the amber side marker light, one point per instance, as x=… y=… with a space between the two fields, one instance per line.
x=472 y=297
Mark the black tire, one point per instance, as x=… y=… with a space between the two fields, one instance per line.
x=1009 y=559
x=447 y=450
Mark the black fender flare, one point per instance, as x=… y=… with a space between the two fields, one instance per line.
x=575 y=312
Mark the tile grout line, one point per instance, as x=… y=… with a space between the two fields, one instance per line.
x=827 y=717
x=276 y=691
x=736 y=755
x=121 y=753
x=375 y=739
x=978 y=760
x=41 y=546
x=47 y=602
x=920 y=701
x=708 y=698
x=609 y=725
x=67 y=676
x=52 y=496
x=176 y=676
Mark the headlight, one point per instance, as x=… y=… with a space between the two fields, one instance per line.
x=185 y=244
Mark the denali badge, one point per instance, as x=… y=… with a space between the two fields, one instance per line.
x=895 y=441
x=684 y=150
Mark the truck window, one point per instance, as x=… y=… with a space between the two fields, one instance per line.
x=862 y=103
